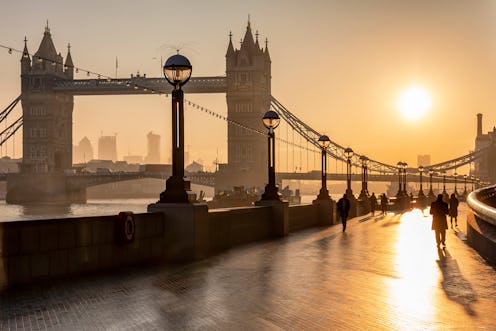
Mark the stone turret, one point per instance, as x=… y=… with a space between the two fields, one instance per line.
x=47 y=127
x=248 y=75
x=68 y=65
x=25 y=59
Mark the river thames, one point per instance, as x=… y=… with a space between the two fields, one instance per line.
x=93 y=207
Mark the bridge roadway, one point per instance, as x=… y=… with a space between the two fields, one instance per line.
x=384 y=273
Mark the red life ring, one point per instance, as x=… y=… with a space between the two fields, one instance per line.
x=125 y=227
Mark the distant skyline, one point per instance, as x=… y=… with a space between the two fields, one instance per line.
x=337 y=65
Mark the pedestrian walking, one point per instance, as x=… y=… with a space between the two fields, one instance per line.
x=343 y=209
x=439 y=210
x=453 y=209
x=384 y=203
x=373 y=203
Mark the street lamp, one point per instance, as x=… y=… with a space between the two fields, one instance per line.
x=348 y=153
x=405 y=165
x=421 y=170
x=365 y=161
x=177 y=71
x=271 y=121
x=443 y=172
x=400 y=178
x=455 y=175
x=465 y=185
x=431 y=172
x=324 y=142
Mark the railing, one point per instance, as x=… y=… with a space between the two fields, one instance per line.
x=483 y=203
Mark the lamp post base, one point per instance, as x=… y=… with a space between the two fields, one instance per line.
x=176 y=191
x=270 y=193
x=323 y=194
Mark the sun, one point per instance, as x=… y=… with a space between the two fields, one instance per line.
x=414 y=102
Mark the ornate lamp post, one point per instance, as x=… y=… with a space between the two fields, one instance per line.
x=365 y=162
x=443 y=172
x=431 y=192
x=421 y=195
x=324 y=142
x=363 y=198
x=400 y=179
x=405 y=165
x=177 y=71
x=271 y=121
x=420 y=170
x=348 y=153
x=455 y=175
x=465 y=185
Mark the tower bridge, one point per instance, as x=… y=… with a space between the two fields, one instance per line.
x=48 y=89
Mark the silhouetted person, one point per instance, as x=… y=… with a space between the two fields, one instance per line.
x=453 y=209
x=439 y=210
x=343 y=210
x=384 y=203
x=373 y=203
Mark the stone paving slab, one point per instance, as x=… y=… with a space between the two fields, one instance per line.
x=384 y=273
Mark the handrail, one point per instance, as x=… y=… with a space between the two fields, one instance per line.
x=478 y=202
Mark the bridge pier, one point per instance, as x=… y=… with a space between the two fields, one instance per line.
x=44 y=187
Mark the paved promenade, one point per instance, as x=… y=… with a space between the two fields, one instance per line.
x=385 y=273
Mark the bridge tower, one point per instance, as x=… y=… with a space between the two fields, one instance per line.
x=248 y=77
x=47 y=126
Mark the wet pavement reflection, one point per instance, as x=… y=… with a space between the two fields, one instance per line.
x=384 y=273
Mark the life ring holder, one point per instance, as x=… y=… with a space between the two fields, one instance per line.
x=125 y=227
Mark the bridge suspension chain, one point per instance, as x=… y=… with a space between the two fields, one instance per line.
x=9 y=108
x=10 y=130
x=335 y=150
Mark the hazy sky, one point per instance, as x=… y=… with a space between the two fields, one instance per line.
x=338 y=65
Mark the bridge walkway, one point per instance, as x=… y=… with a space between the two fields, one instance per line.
x=384 y=273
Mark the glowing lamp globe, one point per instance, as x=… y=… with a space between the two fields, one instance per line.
x=271 y=120
x=348 y=152
x=324 y=141
x=177 y=70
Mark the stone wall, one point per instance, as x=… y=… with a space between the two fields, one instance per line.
x=481 y=235
x=32 y=251
x=303 y=217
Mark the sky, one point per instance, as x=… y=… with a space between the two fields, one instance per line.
x=338 y=65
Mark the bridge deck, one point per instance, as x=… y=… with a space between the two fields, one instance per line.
x=385 y=273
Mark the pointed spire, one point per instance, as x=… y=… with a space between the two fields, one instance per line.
x=25 y=52
x=267 y=48
x=256 y=40
x=230 y=47
x=47 y=49
x=68 y=59
x=248 y=39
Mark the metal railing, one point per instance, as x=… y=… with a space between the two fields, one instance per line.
x=483 y=203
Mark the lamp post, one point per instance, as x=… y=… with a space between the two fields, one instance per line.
x=400 y=179
x=421 y=170
x=431 y=195
x=365 y=162
x=421 y=195
x=465 y=186
x=177 y=71
x=348 y=153
x=455 y=175
x=271 y=121
x=405 y=165
x=363 y=198
x=472 y=179
x=443 y=172
x=324 y=142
